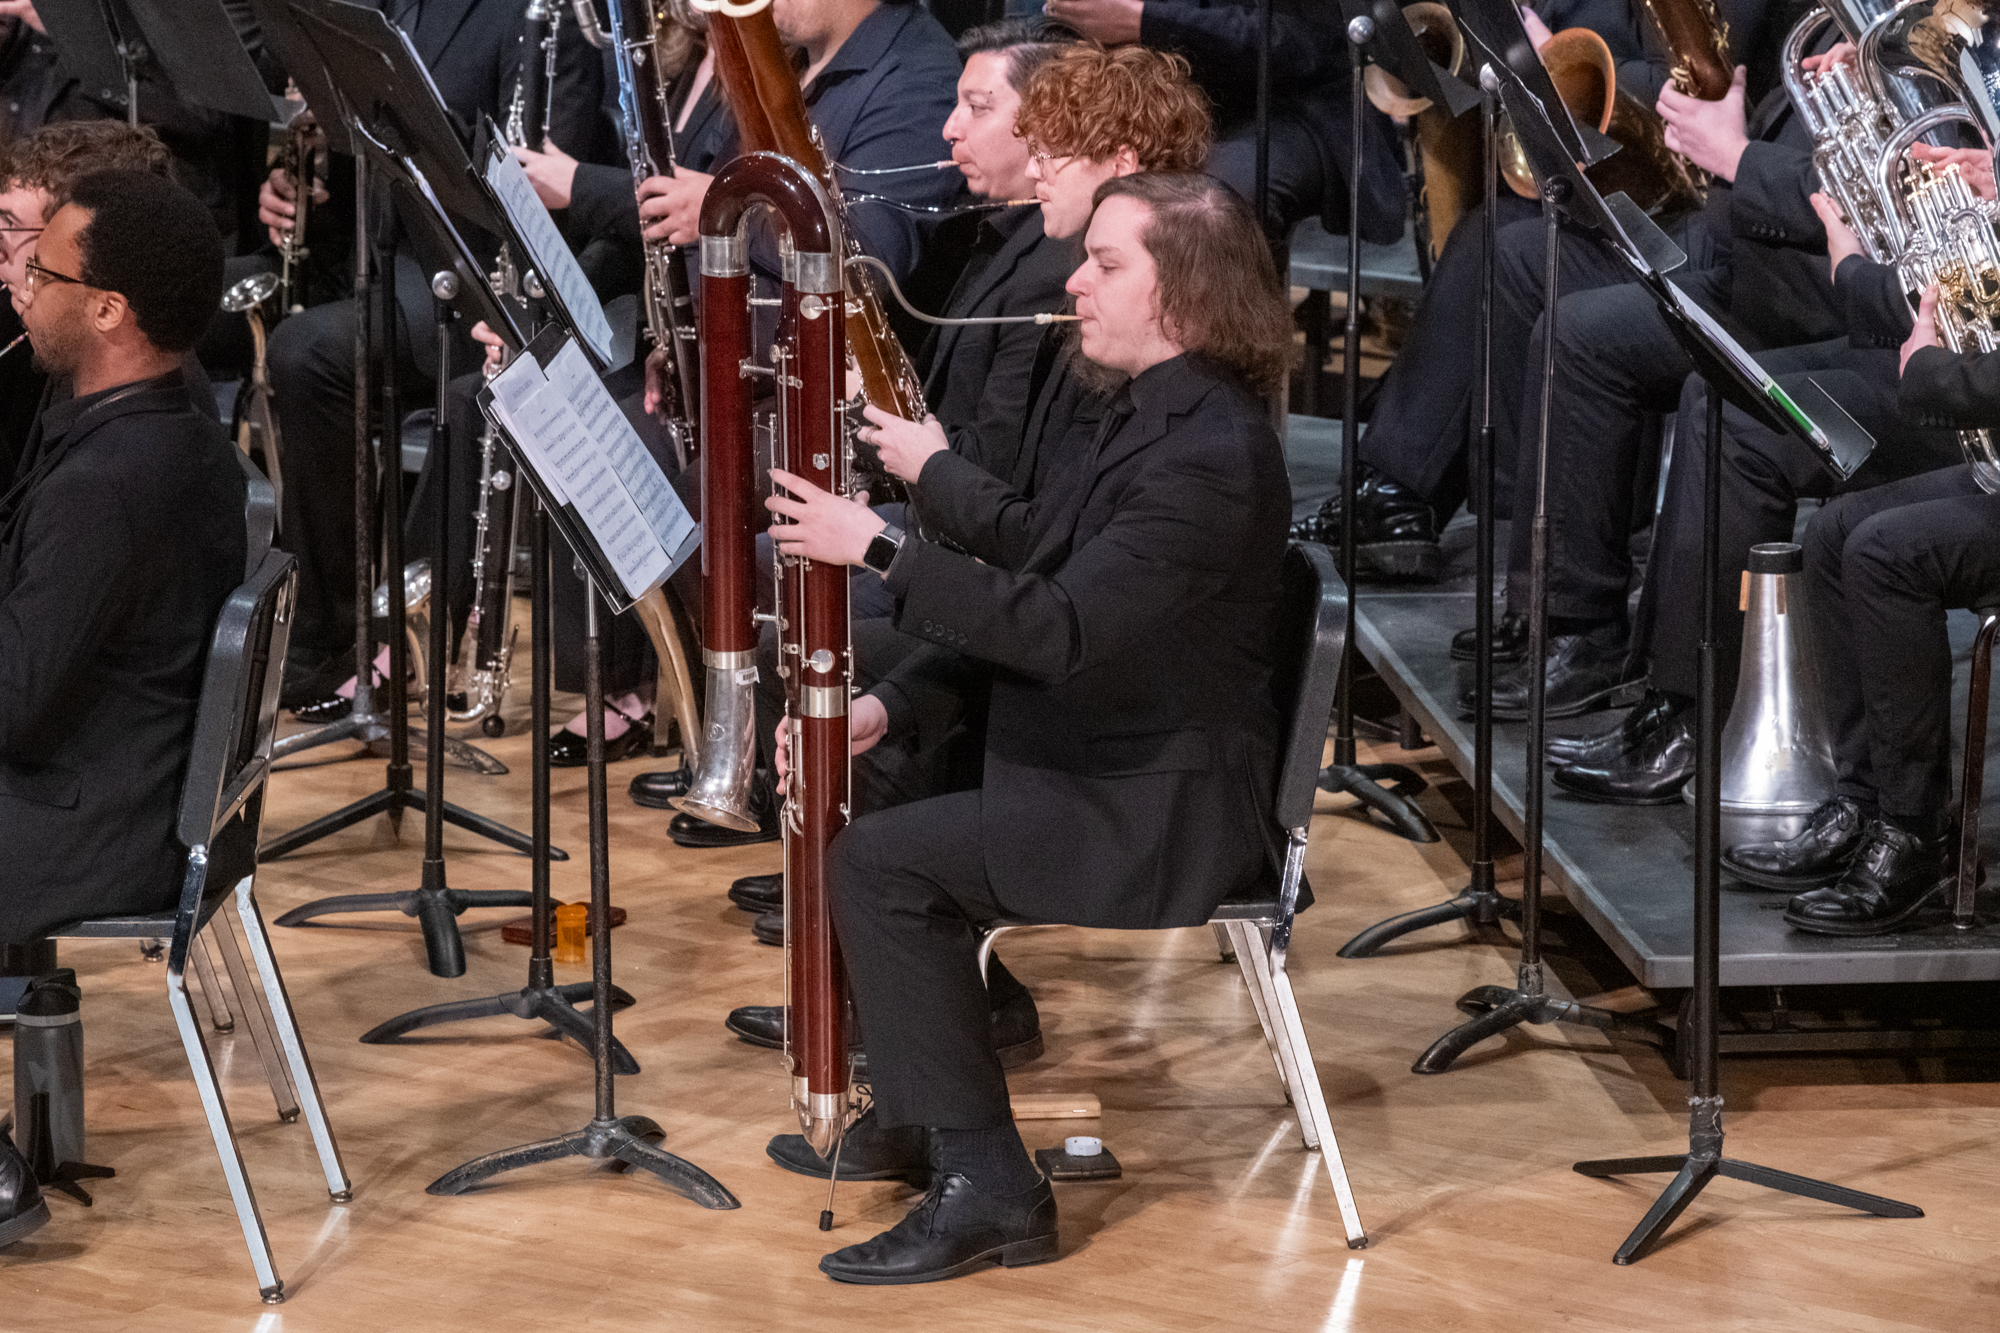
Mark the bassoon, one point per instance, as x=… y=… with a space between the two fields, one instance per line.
x=808 y=360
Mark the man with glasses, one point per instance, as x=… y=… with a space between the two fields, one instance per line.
x=37 y=173
x=120 y=539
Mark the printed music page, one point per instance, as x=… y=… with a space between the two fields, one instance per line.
x=571 y=374
x=548 y=254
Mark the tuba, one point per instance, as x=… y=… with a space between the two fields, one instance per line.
x=807 y=367
x=1952 y=45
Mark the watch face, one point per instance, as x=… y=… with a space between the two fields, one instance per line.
x=881 y=553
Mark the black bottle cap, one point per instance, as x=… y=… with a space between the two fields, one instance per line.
x=52 y=995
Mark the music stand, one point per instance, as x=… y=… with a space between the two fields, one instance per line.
x=621 y=1142
x=189 y=48
x=1376 y=30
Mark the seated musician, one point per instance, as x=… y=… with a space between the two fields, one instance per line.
x=1127 y=664
x=119 y=542
x=37 y=172
x=1882 y=565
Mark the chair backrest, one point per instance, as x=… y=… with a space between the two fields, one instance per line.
x=236 y=719
x=1313 y=634
x=260 y=514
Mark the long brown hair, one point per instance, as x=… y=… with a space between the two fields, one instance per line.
x=1219 y=290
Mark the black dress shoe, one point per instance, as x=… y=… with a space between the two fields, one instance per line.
x=1017 y=1029
x=1599 y=748
x=1395 y=533
x=866 y=1153
x=769 y=928
x=310 y=678
x=759 y=893
x=1653 y=774
x=1820 y=854
x=952 y=1231
x=1585 y=672
x=569 y=750
x=657 y=790
x=688 y=831
x=1510 y=640
x=1894 y=872
x=23 y=1211
x=322 y=711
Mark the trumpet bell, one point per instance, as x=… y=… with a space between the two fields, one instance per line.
x=250 y=293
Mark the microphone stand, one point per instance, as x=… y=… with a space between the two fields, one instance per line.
x=1703 y=1161
x=1480 y=903
x=1362 y=781
x=620 y=1142
x=541 y=999
x=1495 y=1009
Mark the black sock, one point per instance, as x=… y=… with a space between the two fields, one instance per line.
x=994 y=1160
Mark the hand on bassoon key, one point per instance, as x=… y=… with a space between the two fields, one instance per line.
x=867 y=720
x=824 y=527
x=905 y=445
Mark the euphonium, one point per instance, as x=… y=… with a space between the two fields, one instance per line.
x=1954 y=44
x=1446 y=147
x=809 y=357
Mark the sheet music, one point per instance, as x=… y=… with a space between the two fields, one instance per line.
x=571 y=374
x=549 y=254
x=512 y=388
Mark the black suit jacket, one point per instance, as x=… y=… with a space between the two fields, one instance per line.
x=1958 y=390
x=117 y=551
x=976 y=376
x=1132 y=740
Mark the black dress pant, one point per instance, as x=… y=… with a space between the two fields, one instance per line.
x=1765 y=475
x=1882 y=567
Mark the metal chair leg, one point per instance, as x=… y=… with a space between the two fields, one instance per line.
x=1293 y=1073
x=1972 y=779
x=338 y=1187
x=1225 y=944
x=1313 y=1105
x=211 y=988
x=1243 y=944
x=257 y=1013
x=269 y=1285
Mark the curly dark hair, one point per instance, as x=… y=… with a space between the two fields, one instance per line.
x=1219 y=291
x=55 y=157
x=156 y=245
x=1089 y=102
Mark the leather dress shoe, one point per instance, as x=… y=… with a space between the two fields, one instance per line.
x=769 y=928
x=1017 y=1029
x=866 y=1153
x=322 y=711
x=1510 y=640
x=759 y=893
x=657 y=790
x=1598 y=748
x=1584 y=672
x=1894 y=872
x=953 y=1230
x=1653 y=774
x=23 y=1211
x=1819 y=855
x=1395 y=533
x=688 y=831
x=569 y=750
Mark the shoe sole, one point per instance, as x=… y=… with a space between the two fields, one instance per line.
x=1670 y=798
x=24 y=1226
x=1881 y=927
x=1796 y=883
x=1620 y=695
x=1402 y=560
x=734 y=840
x=655 y=802
x=758 y=906
x=1018 y=1254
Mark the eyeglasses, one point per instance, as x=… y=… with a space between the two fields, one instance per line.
x=37 y=275
x=1050 y=163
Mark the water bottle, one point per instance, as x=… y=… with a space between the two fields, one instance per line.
x=48 y=1072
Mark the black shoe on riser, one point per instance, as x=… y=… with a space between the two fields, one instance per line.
x=1585 y=672
x=657 y=790
x=1510 y=640
x=1597 y=749
x=1651 y=775
x=866 y=1153
x=759 y=893
x=1396 y=533
x=1819 y=855
x=1892 y=875
x=955 y=1229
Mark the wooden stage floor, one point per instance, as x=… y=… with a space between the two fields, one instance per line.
x=1221 y=1220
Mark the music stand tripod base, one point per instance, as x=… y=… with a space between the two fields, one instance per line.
x=554 y=1005
x=619 y=1144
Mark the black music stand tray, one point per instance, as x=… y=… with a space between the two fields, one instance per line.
x=378 y=79
x=189 y=48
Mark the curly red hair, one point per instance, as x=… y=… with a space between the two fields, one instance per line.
x=1090 y=102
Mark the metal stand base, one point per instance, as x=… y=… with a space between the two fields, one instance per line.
x=1703 y=1162
x=554 y=1005
x=436 y=908
x=1495 y=1009
x=65 y=1177
x=1364 y=783
x=620 y=1144
x=392 y=803
x=1479 y=907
